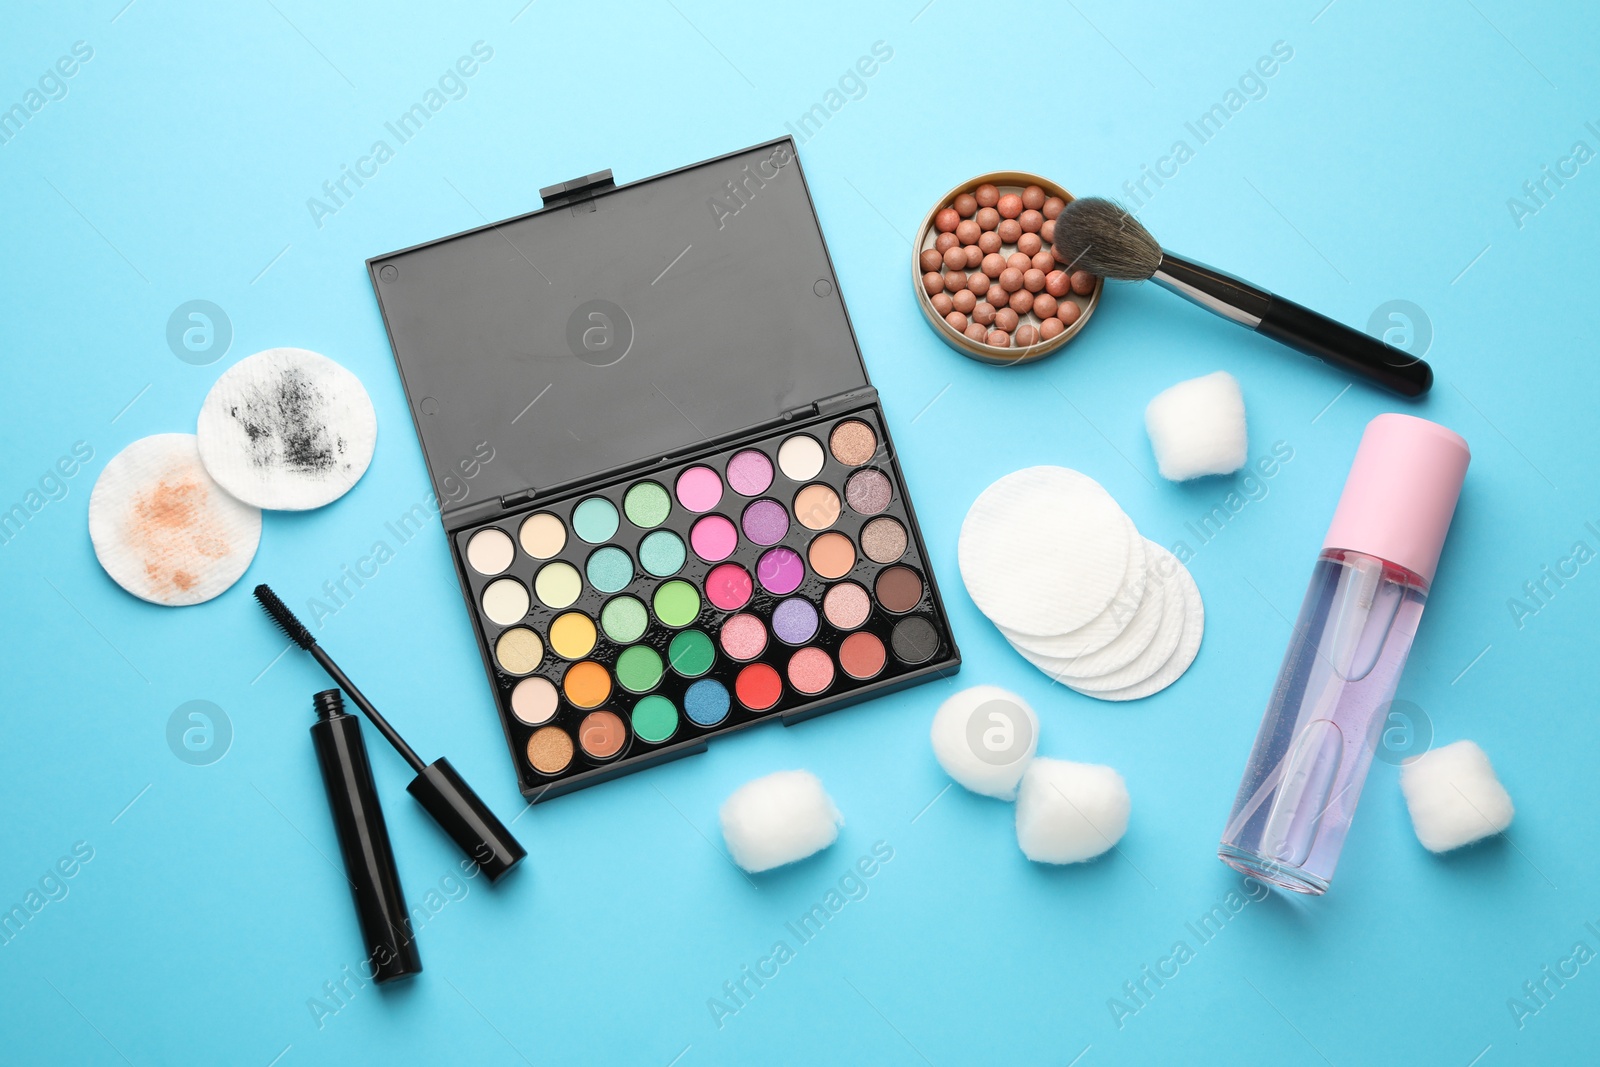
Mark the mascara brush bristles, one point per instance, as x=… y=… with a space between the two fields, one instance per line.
x=1101 y=237
x=292 y=627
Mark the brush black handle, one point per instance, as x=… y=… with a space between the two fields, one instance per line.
x=1338 y=345
x=1298 y=327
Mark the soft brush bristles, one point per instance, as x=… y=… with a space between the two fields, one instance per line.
x=1098 y=236
x=291 y=626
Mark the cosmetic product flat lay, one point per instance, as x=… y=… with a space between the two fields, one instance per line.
x=507 y=565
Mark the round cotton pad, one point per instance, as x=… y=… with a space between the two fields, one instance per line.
x=287 y=429
x=1044 y=550
x=1194 y=626
x=1106 y=627
x=984 y=737
x=163 y=530
x=1128 y=645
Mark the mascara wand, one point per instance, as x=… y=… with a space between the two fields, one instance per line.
x=1100 y=237
x=438 y=788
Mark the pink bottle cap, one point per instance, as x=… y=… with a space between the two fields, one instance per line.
x=1401 y=493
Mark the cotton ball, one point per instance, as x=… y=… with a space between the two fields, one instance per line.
x=1454 y=797
x=984 y=737
x=1197 y=427
x=1070 y=812
x=779 y=819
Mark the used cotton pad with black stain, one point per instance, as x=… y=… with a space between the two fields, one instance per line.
x=984 y=737
x=163 y=529
x=779 y=819
x=287 y=429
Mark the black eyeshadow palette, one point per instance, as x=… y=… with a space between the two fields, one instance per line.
x=694 y=520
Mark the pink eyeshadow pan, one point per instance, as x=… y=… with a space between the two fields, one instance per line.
x=847 y=605
x=714 y=538
x=811 y=670
x=699 y=489
x=728 y=587
x=750 y=472
x=744 y=637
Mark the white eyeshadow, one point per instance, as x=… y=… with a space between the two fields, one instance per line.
x=800 y=457
x=505 y=601
x=490 y=551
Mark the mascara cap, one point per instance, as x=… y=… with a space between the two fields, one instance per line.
x=1401 y=493
x=466 y=818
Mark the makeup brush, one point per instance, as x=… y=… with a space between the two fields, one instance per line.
x=1098 y=236
x=444 y=793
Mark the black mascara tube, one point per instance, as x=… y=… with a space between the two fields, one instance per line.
x=364 y=841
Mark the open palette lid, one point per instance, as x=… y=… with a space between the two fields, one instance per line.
x=616 y=326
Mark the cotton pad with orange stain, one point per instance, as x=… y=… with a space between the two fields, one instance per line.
x=163 y=530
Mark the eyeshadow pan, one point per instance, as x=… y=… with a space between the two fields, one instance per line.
x=810 y=670
x=557 y=584
x=852 y=442
x=691 y=653
x=729 y=586
x=646 y=505
x=883 y=539
x=542 y=535
x=534 y=701
x=816 y=506
x=654 y=719
x=587 y=684
x=706 y=702
x=800 y=457
x=505 y=601
x=549 y=750
x=758 y=687
x=519 y=650
x=677 y=603
x=610 y=569
x=914 y=640
x=862 y=656
x=750 y=472
x=662 y=553
x=899 y=589
x=794 y=621
x=868 y=491
x=602 y=734
x=780 y=570
x=639 y=668
x=714 y=538
x=490 y=551
x=699 y=489
x=624 y=619
x=572 y=635
x=743 y=637
x=595 y=519
x=832 y=555
x=847 y=605
x=766 y=522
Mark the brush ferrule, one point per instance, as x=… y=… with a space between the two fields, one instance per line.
x=1212 y=289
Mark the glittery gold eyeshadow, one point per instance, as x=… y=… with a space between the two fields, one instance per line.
x=651 y=566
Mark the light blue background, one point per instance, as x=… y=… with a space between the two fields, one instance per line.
x=1377 y=167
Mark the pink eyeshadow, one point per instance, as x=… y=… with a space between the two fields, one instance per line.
x=847 y=605
x=714 y=538
x=744 y=637
x=728 y=587
x=750 y=472
x=699 y=489
x=811 y=670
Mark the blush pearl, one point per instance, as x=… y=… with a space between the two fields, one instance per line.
x=1033 y=280
x=978 y=283
x=998 y=339
x=1009 y=230
x=965 y=204
x=1043 y=261
x=1033 y=198
x=1021 y=301
x=989 y=241
x=932 y=283
x=1009 y=206
x=945 y=221
x=987 y=218
x=942 y=303
x=1052 y=207
x=983 y=313
x=1029 y=244
x=957 y=321
x=955 y=257
x=955 y=279
x=1050 y=328
x=1048 y=231
x=1068 y=312
x=1058 y=283
x=1030 y=221
x=1082 y=282
x=993 y=264
x=965 y=300
x=1005 y=319
x=931 y=259
x=944 y=241
x=996 y=295
x=1044 y=305
x=986 y=195
x=976 y=331
x=1027 y=334
x=967 y=232
x=1019 y=261
x=1010 y=280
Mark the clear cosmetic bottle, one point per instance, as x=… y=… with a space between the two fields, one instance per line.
x=1346 y=654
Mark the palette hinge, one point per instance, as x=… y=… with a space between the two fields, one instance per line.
x=579 y=191
x=511 y=500
x=852 y=398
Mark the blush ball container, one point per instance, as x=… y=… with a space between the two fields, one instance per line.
x=1350 y=643
x=364 y=840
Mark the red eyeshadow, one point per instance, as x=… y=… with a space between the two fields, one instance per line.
x=758 y=687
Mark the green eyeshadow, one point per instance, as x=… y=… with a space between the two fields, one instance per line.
x=639 y=668
x=691 y=653
x=655 y=718
x=647 y=505
x=624 y=619
x=677 y=603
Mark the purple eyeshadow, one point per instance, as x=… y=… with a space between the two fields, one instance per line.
x=780 y=571
x=750 y=472
x=794 y=621
x=765 y=522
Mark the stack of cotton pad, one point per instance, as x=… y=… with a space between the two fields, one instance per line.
x=1051 y=559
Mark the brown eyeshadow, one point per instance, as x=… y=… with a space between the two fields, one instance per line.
x=852 y=442
x=601 y=734
x=883 y=540
x=899 y=589
x=862 y=655
x=550 y=750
